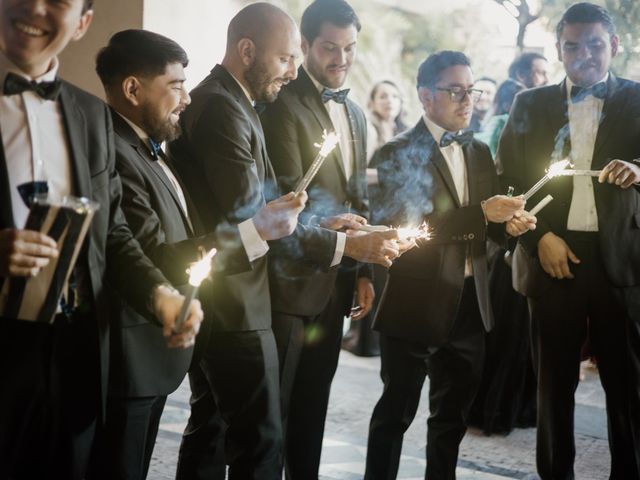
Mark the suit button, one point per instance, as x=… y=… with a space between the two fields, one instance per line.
x=465 y=237
x=472 y=236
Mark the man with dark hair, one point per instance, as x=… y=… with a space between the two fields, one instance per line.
x=530 y=69
x=481 y=107
x=435 y=308
x=581 y=267
x=55 y=375
x=309 y=305
x=224 y=162
x=143 y=76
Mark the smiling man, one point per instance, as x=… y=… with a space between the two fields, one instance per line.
x=583 y=264
x=435 y=309
x=54 y=376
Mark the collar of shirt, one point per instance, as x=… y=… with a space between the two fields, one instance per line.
x=317 y=84
x=570 y=84
x=7 y=66
x=246 y=92
x=436 y=130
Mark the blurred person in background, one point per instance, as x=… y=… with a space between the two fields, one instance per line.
x=482 y=107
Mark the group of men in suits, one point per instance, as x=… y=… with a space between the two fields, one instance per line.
x=288 y=265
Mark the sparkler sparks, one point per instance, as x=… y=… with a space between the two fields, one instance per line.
x=198 y=271
x=553 y=171
x=329 y=142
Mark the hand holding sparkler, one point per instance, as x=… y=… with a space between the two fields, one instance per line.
x=621 y=173
x=374 y=247
x=167 y=303
x=502 y=208
x=279 y=217
x=329 y=142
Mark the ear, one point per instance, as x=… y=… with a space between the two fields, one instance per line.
x=425 y=95
x=83 y=26
x=247 y=51
x=615 y=44
x=305 y=45
x=131 y=91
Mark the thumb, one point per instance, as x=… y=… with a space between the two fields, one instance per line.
x=572 y=256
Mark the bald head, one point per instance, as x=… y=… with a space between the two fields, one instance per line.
x=260 y=22
x=263 y=43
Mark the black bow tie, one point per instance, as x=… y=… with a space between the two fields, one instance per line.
x=15 y=85
x=599 y=90
x=339 y=97
x=259 y=107
x=463 y=138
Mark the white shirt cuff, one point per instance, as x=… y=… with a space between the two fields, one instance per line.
x=253 y=244
x=341 y=240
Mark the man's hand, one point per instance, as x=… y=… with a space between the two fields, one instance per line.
x=344 y=221
x=24 y=252
x=500 y=208
x=279 y=217
x=522 y=224
x=365 y=295
x=167 y=303
x=375 y=247
x=624 y=174
x=553 y=253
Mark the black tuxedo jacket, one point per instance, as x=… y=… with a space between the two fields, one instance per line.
x=421 y=297
x=292 y=125
x=222 y=158
x=110 y=251
x=536 y=128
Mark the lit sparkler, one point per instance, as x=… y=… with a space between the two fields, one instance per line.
x=404 y=233
x=579 y=173
x=198 y=271
x=329 y=142
x=553 y=171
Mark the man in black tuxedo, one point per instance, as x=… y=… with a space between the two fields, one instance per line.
x=143 y=76
x=582 y=264
x=56 y=375
x=309 y=305
x=435 y=309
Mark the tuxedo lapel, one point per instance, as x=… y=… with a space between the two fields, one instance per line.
x=355 y=133
x=438 y=160
x=613 y=111
x=6 y=210
x=558 y=119
x=75 y=123
x=472 y=173
x=311 y=100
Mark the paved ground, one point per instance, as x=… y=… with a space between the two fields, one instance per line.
x=356 y=390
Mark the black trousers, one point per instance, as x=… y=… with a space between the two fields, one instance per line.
x=308 y=348
x=454 y=370
x=235 y=410
x=562 y=318
x=126 y=441
x=50 y=398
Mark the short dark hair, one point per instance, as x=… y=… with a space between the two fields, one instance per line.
x=137 y=52
x=586 y=12
x=505 y=95
x=335 y=12
x=87 y=5
x=430 y=70
x=487 y=79
x=523 y=64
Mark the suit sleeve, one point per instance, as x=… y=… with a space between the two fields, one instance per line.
x=511 y=158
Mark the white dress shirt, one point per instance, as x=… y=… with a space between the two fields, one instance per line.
x=584 y=120
x=454 y=157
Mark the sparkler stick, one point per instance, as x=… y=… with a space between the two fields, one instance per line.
x=197 y=273
x=329 y=142
x=580 y=173
x=553 y=171
x=404 y=233
x=541 y=204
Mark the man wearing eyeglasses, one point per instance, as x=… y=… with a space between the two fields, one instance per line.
x=435 y=308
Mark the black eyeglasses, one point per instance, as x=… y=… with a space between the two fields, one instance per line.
x=457 y=94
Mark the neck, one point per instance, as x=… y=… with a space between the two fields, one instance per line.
x=237 y=69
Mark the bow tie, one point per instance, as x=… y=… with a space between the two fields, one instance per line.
x=599 y=90
x=259 y=107
x=463 y=138
x=15 y=85
x=339 y=97
x=156 y=149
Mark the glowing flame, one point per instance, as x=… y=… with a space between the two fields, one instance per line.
x=414 y=233
x=556 y=168
x=329 y=142
x=201 y=269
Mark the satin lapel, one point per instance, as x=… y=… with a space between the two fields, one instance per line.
x=358 y=154
x=472 y=172
x=557 y=111
x=6 y=210
x=75 y=124
x=311 y=100
x=441 y=165
x=174 y=194
x=612 y=113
